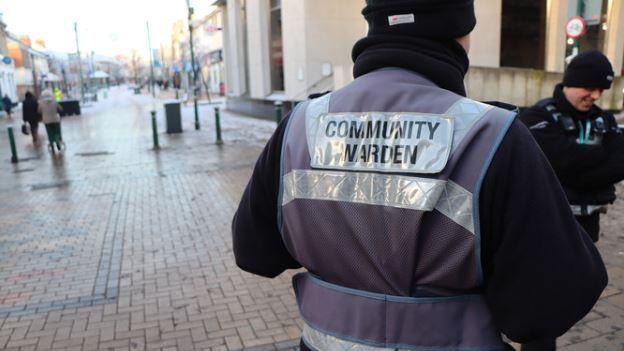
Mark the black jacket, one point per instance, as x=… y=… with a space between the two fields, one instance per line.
x=587 y=172
x=542 y=272
x=29 y=110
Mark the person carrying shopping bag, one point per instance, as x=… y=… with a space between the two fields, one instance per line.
x=49 y=110
x=31 y=116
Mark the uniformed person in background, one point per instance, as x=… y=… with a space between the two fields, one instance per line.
x=425 y=220
x=582 y=142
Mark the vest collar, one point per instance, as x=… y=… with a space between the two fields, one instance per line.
x=400 y=75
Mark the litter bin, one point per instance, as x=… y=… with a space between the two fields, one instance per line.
x=70 y=107
x=174 y=116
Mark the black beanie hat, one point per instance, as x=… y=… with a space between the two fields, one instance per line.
x=590 y=69
x=437 y=19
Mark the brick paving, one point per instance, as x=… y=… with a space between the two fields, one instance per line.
x=115 y=246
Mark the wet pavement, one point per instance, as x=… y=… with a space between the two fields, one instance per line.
x=116 y=246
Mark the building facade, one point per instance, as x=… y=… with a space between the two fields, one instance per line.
x=519 y=47
x=284 y=50
x=31 y=65
x=209 y=47
x=7 y=66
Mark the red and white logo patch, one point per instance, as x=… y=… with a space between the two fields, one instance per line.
x=401 y=19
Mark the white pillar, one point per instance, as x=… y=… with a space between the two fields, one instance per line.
x=485 y=40
x=295 y=38
x=556 y=19
x=258 y=39
x=614 y=43
x=234 y=47
x=318 y=38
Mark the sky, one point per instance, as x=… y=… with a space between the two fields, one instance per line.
x=106 y=27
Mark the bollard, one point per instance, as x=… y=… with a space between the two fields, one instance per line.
x=278 y=111
x=218 y=125
x=13 y=148
x=197 y=127
x=155 y=131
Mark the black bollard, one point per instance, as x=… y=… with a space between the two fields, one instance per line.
x=218 y=125
x=155 y=131
x=13 y=148
x=278 y=111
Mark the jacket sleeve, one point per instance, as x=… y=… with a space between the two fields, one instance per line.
x=565 y=156
x=258 y=246
x=611 y=170
x=542 y=272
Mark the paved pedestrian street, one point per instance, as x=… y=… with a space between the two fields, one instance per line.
x=116 y=246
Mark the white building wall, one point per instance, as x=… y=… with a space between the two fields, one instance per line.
x=234 y=49
x=258 y=33
x=209 y=40
x=486 y=37
x=318 y=37
x=557 y=15
x=294 y=30
x=614 y=46
x=7 y=81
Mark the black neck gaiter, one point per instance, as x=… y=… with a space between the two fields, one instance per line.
x=444 y=62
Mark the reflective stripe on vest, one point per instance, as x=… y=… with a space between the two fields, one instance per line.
x=422 y=194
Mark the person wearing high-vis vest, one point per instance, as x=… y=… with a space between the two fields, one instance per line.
x=424 y=220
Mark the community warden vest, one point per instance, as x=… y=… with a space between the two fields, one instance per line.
x=379 y=201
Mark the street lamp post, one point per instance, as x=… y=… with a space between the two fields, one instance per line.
x=64 y=80
x=149 y=47
x=190 y=26
x=82 y=92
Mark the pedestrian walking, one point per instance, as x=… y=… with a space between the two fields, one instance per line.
x=424 y=219
x=31 y=115
x=582 y=142
x=50 y=109
x=58 y=94
x=7 y=105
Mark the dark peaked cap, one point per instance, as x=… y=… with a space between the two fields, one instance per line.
x=437 y=19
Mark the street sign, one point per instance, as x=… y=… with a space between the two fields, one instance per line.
x=6 y=60
x=576 y=27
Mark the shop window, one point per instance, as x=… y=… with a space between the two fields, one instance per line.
x=523 y=33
